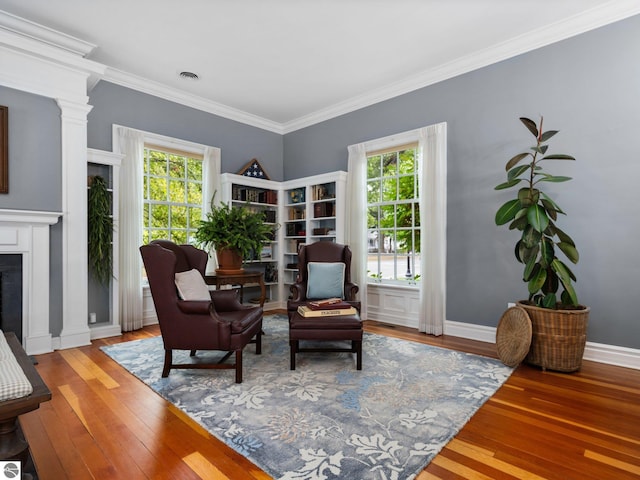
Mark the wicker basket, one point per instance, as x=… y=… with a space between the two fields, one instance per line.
x=558 y=337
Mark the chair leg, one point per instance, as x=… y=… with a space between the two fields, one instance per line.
x=192 y=353
x=259 y=343
x=358 y=349
x=238 y=366
x=168 y=360
x=293 y=348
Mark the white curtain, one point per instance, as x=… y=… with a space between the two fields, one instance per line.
x=130 y=143
x=211 y=185
x=432 y=149
x=356 y=219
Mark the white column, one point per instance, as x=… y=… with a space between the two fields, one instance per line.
x=75 y=329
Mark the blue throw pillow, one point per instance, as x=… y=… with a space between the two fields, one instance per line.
x=325 y=280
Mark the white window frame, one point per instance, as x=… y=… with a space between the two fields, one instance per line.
x=146 y=201
x=396 y=258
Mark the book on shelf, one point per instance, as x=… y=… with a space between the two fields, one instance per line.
x=308 y=312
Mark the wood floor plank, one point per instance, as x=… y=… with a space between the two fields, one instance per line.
x=103 y=423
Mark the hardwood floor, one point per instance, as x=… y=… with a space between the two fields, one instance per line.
x=103 y=423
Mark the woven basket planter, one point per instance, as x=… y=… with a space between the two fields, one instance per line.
x=558 y=337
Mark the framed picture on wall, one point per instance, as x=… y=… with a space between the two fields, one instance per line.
x=4 y=149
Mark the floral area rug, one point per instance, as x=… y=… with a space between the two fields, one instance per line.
x=326 y=419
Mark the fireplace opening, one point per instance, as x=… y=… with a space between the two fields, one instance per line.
x=11 y=294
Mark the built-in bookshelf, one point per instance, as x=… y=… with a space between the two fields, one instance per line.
x=302 y=211
x=259 y=195
x=314 y=211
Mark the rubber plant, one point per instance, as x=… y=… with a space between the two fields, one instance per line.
x=535 y=214
x=234 y=227
x=100 y=229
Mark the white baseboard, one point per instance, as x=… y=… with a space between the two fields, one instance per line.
x=105 y=331
x=595 y=352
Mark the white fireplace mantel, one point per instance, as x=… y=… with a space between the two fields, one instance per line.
x=26 y=232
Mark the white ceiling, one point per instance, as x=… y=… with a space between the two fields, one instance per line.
x=285 y=64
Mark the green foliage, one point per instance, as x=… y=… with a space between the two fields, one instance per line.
x=100 y=230
x=237 y=228
x=391 y=177
x=534 y=214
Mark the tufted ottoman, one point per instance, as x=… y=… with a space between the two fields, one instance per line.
x=328 y=328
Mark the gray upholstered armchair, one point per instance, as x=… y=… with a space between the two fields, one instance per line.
x=216 y=320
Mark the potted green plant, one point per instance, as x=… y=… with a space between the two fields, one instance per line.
x=235 y=232
x=100 y=229
x=559 y=323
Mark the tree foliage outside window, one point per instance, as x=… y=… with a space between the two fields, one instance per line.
x=172 y=189
x=393 y=216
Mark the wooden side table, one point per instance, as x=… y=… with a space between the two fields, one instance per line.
x=245 y=278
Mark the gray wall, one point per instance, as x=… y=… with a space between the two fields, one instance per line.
x=588 y=87
x=35 y=174
x=239 y=143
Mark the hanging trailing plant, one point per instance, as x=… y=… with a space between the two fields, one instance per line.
x=100 y=225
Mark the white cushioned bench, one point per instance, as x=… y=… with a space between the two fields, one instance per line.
x=21 y=390
x=13 y=381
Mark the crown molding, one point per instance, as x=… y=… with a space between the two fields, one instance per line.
x=53 y=45
x=591 y=19
x=44 y=35
x=178 y=96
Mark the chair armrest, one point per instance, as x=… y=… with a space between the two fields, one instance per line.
x=350 y=290
x=226 y=301
x=298 y=292
x=194 y=307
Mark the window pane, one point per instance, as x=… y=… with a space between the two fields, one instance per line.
x=159 y=216
x=178 y=217
x=372 y=239
x=389 y=189
x=407 y=191
x=389 y=164
x=416 y=209
x=404 y=217
x=373 y=167
x=194 y=193
x=158 y=189
x=373 y=191
x=179 y=236
x=194 y=169
x=145 y=215
x=404 y=241
x=387 y=216
x=195 y=215
x=157 y=163
x=159 y=234
x=177 y=191
x=407 y=162
x=176 y=167
x=372 y=217
x=145 y=237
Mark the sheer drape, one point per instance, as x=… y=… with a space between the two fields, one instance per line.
x=356 y=218
x=211 y=185
x=130 y=143
x=432 y=150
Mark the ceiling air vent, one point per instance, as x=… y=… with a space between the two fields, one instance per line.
x=189 y=75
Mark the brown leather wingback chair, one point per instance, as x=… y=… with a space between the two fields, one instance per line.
x=220 y=324
x=321 y=252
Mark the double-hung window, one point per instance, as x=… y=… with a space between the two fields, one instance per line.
x=393 y=215
x=172 y=195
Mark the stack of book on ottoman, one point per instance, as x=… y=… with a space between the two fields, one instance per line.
x=326 y=308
